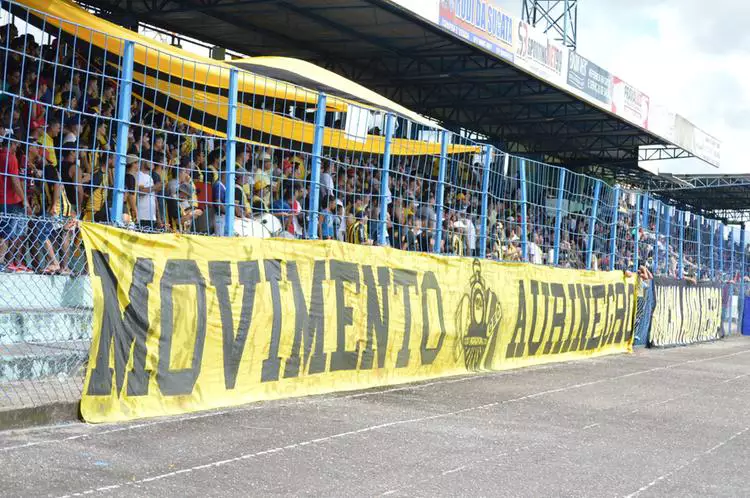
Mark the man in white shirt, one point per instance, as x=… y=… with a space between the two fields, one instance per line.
x=146 y=202
x=471 y=236
x=326 y=180
x=534 y=251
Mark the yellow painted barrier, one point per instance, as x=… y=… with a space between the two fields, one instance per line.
x=185 y=323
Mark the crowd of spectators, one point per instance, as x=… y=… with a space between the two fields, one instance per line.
x=57 y=164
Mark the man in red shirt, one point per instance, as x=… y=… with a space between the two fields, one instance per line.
x=13 y=205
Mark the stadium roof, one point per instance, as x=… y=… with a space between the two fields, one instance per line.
x=724 y=196
x=419 y=65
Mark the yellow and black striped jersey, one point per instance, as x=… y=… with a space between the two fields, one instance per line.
x=356 y=233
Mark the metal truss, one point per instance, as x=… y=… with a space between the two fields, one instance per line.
x=558 y=18
x=690 y=182
x=455 y=84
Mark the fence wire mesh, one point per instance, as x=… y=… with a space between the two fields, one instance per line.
x=298 y=164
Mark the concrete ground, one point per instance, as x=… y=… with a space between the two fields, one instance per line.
x=670 y=422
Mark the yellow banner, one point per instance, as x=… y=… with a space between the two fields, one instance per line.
x=185 y=323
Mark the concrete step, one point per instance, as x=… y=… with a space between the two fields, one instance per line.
x=35 y=361
x=29 y=292
x=61 y=325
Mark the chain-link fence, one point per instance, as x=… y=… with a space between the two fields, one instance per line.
x=109 y=127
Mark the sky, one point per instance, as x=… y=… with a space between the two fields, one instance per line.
x=690 y=55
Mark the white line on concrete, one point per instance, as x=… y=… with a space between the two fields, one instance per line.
x=687 y=464
x=395 y=423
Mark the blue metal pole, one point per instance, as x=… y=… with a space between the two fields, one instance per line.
x=700 y=250
x=731 y=254
x=656 y=238
x=742 y=273
x=713 y=236
x=384 y=175
x=123 y=127
x=592 y=224
x=231 y=155
x=524 y=215
x=317 y=153
x=485 y=195
x=667 y=231
x=615 y=214
x=637 y=234
x=646 y=205
x=559 y=214
x=721 y=249
x=441 y=190
x=682 y=242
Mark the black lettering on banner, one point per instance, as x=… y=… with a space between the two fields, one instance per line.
x=619 y=323
x=557 y=291
x=598 y=293
x=309 y=325
x=180 y=272
x=405 y=279
x=377 y=324
x=609 y=315
x=572 y=339
x=518 y=341
x=233 y=345
x=630 y=315
x=123 y=332
x=430 y=283
x=537 y=289
x=584 y=295
x=341 y=272
x=685 y=313
x=271 y=365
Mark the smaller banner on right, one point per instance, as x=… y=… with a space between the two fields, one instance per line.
x=685 y=313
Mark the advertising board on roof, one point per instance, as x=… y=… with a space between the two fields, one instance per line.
x=540 y=55
x=630 y=103
x=481 y=22
x=589 y=78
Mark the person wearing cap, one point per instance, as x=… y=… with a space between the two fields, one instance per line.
x=357 y=232
x=260 y=196
x=188 y=213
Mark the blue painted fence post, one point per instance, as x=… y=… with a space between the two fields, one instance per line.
x=524 y=214
x=559 y=214
x=441 y=190
x=711 y=247
x=681 y=261
x=592 y=224
x=123 y=127
x=667 y=231
x=384 y=176
x=721 y=250
x=637 y=235
x=700 y=249
x=485 y=195
x=656 y=237
x=742 y=274
x=615 y=215
x=317 y=153
x=230 y=178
